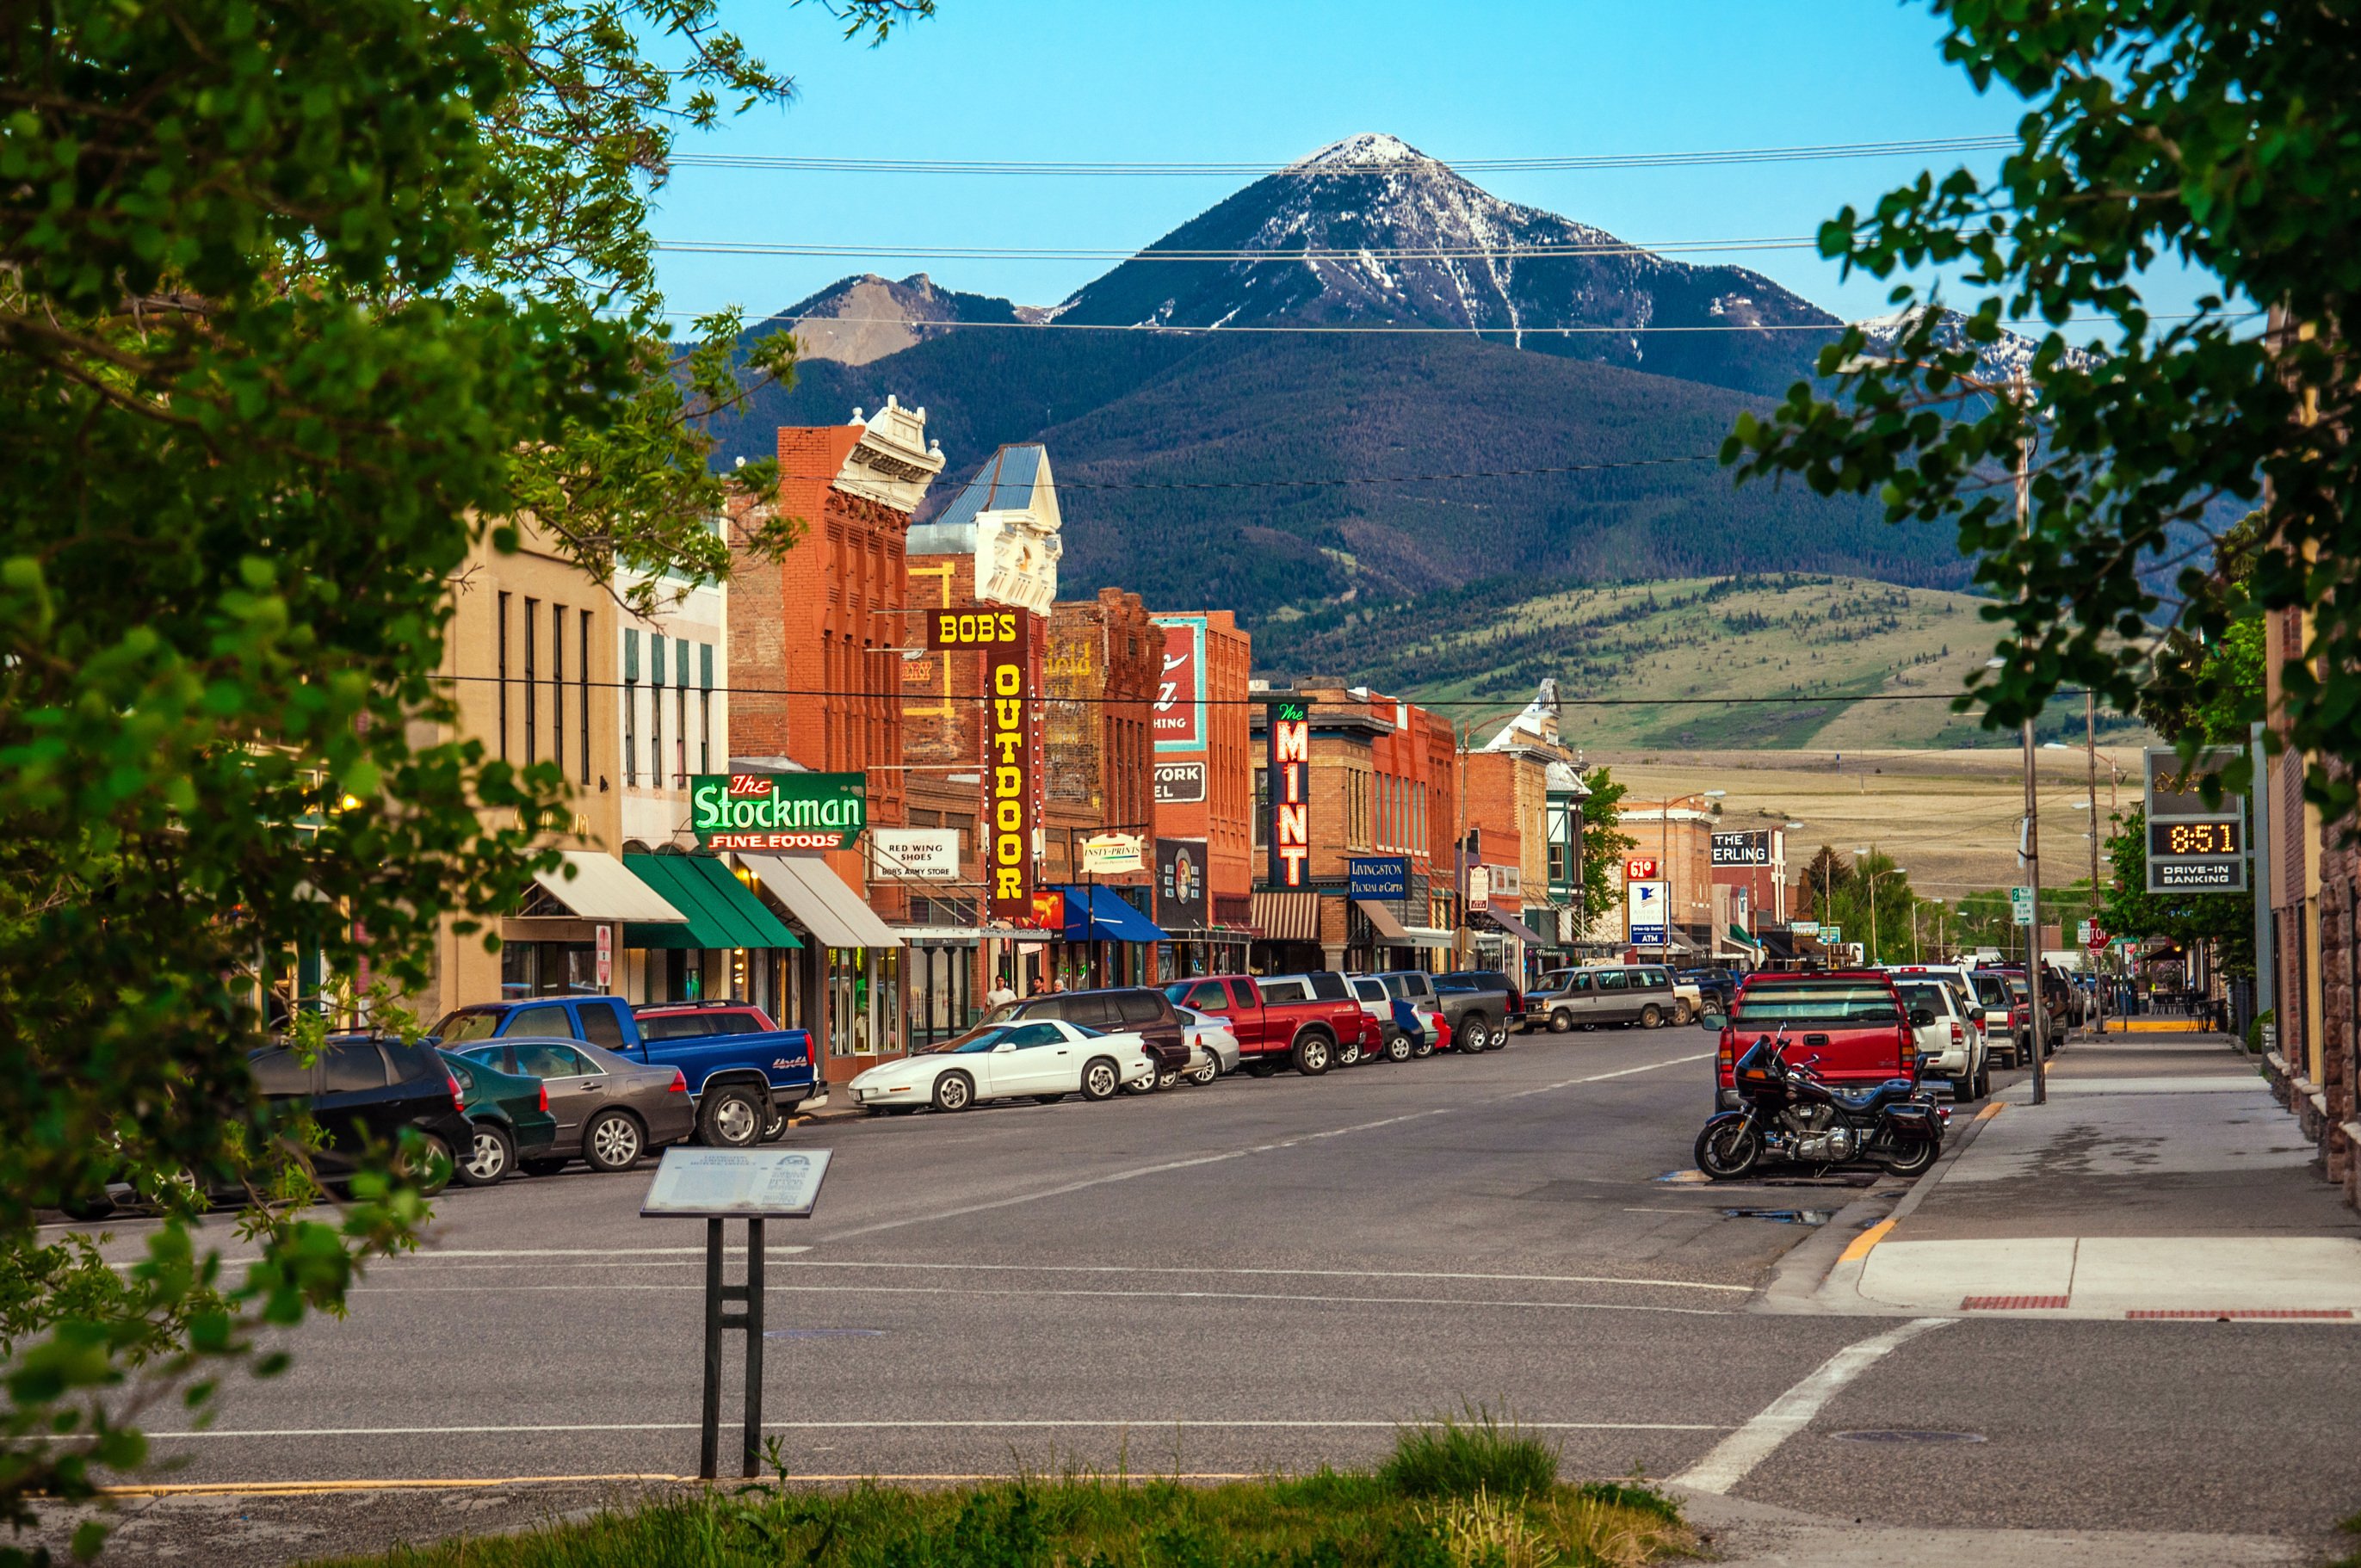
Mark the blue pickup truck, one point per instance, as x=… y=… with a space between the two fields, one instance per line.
x=744 y=1072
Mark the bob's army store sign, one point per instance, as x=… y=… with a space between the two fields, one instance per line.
x=1741 y=849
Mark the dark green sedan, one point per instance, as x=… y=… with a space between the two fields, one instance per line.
x=510 y=1114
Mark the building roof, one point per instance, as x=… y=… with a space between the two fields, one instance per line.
x=1014 y=478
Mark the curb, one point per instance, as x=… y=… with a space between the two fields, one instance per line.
x=1837 y=1257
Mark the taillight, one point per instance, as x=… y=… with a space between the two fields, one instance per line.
x=679 y=1082
x=544 y=1097
x=458 y=1099
x=1958 y=1036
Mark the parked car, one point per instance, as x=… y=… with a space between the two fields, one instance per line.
x=1951 y=1035
x=1416 y=987
x=742 y=1081
x=1600 y=994
x=1125 y=1009
x=1212 y=1048
x=1028 y=1058
x=1476 y=1003
x=510 y=1114
x=1996 y=1003
x=1848 y=1025
x=363 y=1091
x=1717 y=988
x=610 y=1109
x=1279 y=1020
x=1396 y=1020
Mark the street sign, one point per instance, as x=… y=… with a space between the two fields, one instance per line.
x=1377 y=876
x=1644 y=913
x=1832 y=936
x=2020 y=906
x=1804 y=928
x=1105 y=854
x=2093 y=936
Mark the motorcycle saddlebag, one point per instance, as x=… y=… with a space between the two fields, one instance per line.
x=1911 y=1117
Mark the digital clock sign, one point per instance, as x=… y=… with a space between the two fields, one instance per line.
x=2182 y=840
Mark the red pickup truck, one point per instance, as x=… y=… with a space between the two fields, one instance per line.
x=1282 y=1020
x=1850 y=1023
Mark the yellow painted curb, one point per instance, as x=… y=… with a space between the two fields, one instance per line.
x=1863 y=1243
x=1994 y=1109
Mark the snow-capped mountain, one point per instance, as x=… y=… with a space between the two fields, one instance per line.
x=1998 y=362
x=1395 y=238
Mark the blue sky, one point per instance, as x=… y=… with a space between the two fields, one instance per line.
x=1227 y=79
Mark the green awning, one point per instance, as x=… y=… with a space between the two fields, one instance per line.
x=721 y=912
x=1738 y=935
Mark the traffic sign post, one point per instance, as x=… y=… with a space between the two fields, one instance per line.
x=719 y=1185
x=2020 y=907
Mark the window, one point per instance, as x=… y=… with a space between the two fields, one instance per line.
x=655 y=710
x=461 y=1026
x=1030 y=1034
x=532 y=685
x=704 y=708
x=602 y=1025
x=1285 y=990
x=1614 y=979
x=1654 y=979
x=1140 y=1007
x=1578 y=983
x=280 y=1074
x=677 y=1027
x=500 y=670
x=680 y=713
x=582 y=693
x=557 y=686
x=631 y=706
x=1207 y=996
x=350 y=1069
x=540 y=1020
x=1816 y=1002
x=551 y=1061
x=1328 y=985
x=462 y=1075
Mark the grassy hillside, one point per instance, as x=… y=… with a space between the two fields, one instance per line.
x=1845 y=641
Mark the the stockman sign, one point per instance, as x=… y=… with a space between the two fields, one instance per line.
x=770 y=812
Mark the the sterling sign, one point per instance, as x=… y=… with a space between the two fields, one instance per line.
x=770 y=812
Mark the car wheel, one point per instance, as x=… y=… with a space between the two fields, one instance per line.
x=491 y=1155
x=1143 y=1085
x=1728 y=1150
x=1473 y=1031
x=430 y=1168
x=776 y=1127
x=1401 y=1048
x=1422 y=1049
x=1168 y=1079
x=1963 y=1089
x=1049 y=1099
x=613 y=1141
x=1100 y=1080
x=1560 y=1021
x=729 y=1119
x=1204 y=1075
x=89 y=1207
x=1651 y=1017
x=954 y=1092
x=1984 y=1078
x=543 y=1167
x=1262 y=1069
x=1349 y=1054
x=1681 y=1014
x=1312 y=1055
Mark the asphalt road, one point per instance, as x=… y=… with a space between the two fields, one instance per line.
x=1273 y=1274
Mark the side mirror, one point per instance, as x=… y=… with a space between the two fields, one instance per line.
x=1006 y=1047
x=1922 y=1017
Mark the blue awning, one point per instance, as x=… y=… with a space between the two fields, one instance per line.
x=1100 y=915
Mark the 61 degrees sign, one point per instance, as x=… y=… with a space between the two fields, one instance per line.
x=768 y=812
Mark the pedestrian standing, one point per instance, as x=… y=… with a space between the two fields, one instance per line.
x=1000 y=996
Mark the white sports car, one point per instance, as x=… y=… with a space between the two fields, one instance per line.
x=1041 y=1058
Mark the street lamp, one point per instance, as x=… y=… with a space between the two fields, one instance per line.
x=1665 y=859
x=1872 y=879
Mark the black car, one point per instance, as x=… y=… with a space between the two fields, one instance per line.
x=1122 y=1008
x=364 y=1090
x=1713 y=984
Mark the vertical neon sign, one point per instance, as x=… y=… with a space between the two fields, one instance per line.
x=1288 y=735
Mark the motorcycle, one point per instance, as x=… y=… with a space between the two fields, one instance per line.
x=1791 y=1113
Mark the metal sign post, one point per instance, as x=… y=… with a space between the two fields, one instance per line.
x=719 y=1185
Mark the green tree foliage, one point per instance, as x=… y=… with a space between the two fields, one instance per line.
x=293 y=297
x=1604 y=845
x=2221 y=136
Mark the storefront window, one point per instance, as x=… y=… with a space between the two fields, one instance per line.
x=847 y=997
x=548 y=969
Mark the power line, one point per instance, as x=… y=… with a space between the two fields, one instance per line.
x=1611 y=247
x=1331 y=481
x=1409 y=330
x=1923 y=146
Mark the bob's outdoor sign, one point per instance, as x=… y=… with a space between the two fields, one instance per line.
x=769 y=812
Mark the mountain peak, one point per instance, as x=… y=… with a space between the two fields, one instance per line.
x=1371 y=149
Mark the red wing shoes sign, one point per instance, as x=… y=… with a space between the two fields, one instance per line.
x=769 y=812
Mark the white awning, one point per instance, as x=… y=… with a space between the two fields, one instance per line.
x=1428 y=936
x=817 y=898
x=603 y=888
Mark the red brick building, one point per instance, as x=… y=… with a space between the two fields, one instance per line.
x=1097 y=677
x=812 y=637
x=1203 y=767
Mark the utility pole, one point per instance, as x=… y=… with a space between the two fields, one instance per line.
x=2091 y=752
x=2032 y=842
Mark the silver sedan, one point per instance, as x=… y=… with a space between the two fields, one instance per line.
x=610 y=1110
x=1212 y=1048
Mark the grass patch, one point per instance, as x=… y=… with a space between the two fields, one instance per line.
x=1434 y=1504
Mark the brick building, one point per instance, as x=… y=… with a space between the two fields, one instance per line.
x=1677 y=837
x=812 y=634
x=1098 y=676
x=1508 y=838
x=1204 y=783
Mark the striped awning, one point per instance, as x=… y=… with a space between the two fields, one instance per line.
x=1287 y=916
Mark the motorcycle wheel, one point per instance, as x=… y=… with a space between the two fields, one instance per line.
x=1728 y=1150
x=1912 y=1156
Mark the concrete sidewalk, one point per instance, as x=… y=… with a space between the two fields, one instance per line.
x=2160 y=1181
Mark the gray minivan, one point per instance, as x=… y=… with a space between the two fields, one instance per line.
x=1602 y=993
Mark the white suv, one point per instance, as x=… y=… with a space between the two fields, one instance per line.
x=1956 y=1034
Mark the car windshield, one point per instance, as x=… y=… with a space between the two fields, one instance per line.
x=458 y=1028
x=1990 y=991
x=981 y=1040
x=1455 y=983
x=1555 y=980
x=1815 y=1002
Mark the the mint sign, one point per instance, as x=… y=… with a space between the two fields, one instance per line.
x=765 y=813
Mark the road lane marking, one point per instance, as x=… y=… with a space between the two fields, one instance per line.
x=1860 y=1245
x=1198 y=1160
x=1636 y=1280
x=1145 y=1423
x=1735 y=1456
x=1086 y=1295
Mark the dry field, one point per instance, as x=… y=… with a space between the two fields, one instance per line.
x=1949 y=817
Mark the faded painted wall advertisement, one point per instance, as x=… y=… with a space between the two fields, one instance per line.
x=1177 y=715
